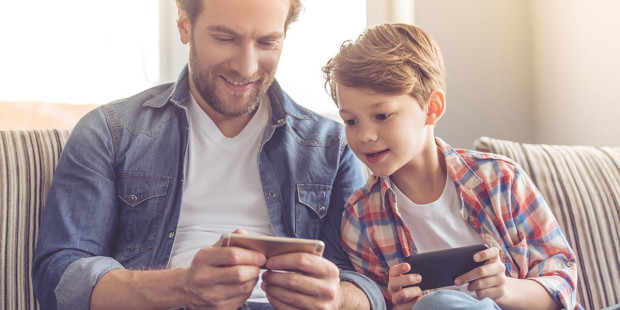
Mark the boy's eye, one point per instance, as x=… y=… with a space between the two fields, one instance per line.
x=349 y=122
x=382 y=117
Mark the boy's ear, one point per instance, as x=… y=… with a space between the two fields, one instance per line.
x=436 y=107
x=185 y=27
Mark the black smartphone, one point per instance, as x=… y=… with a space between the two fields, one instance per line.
x=440 y=268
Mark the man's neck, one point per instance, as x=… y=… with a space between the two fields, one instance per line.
x=229 y=126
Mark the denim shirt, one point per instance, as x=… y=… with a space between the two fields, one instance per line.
x=116 y=195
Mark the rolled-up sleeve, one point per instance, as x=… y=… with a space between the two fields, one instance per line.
x=77 y=282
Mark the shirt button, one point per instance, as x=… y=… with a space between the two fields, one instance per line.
x=133 y=199
x=171 y=235
x=322 y=211
x=280 y=121
x=471 y=219
x=272 y=193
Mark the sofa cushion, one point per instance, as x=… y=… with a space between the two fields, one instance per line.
x=27 y=162
x=581 y=184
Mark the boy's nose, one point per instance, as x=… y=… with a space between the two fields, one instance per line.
x=245 y=62
x=367 y=134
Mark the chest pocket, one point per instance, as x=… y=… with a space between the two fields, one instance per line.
x=141 y=198
x=310 y=210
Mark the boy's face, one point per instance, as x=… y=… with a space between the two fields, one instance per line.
x=387 y=132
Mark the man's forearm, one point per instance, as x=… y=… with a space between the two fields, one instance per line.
x=139 y=289
x=352 y=297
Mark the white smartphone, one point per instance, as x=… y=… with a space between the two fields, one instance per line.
x=273 y=246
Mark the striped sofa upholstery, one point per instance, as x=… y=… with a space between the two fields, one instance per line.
x=581 y=184
x=27 y=162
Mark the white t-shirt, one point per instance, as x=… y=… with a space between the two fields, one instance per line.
x=437 y=225
x=222 y=189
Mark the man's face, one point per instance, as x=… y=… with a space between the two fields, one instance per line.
x=235 y=46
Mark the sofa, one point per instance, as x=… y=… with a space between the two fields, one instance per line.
x=580 y=183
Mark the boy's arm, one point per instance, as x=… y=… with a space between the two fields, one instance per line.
x=490 y=281
x=551 y=262
x=526 y=294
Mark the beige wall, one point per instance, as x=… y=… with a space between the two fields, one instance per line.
x=527 y=70
x=577 y=71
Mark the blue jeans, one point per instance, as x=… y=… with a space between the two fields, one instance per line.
x=255 y=306
x=448 y=299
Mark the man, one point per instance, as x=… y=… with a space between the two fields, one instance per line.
x=146 y=185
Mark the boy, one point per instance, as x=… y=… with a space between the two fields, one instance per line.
x=424 y=196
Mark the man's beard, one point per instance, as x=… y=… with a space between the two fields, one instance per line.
x=205 y=85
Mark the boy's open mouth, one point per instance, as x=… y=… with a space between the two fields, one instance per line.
x=377 y=156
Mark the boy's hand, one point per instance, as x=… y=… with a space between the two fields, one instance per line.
x=403 y=297
x=488 y=280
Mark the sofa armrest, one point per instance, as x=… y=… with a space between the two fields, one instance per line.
x=27 y=162
x=581 y=184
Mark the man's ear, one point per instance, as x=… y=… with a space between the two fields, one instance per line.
x=185 y=27
x=436 y=107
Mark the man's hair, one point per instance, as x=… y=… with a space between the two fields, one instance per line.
x=393 y=59
x=194 y=7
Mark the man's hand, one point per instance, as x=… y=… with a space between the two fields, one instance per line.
x=222 y=277
x=403 y=297
x=301 y=280
x=488 y=280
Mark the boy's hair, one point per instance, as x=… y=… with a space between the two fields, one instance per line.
x=394 y=59
x=194 y=7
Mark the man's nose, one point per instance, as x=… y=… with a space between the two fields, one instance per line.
x=245 y=62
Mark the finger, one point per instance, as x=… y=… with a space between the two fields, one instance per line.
x=235 y=274
x=399 y=269
x=487 y=254
x=216 y=256
x=279 y=304
x=494 y=267
x=403 y=281
x=487 y=282
x=406 y=295
x=239 y=231
x=297 y=283
x=314 y=265
x=219 y=294
x=292 y=299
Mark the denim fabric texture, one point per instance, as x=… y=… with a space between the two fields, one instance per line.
x=116 y=195
x=453 y=300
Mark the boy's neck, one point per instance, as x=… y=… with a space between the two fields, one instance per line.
x=423 y=181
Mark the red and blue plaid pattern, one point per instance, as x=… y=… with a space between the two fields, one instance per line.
x=500 y=202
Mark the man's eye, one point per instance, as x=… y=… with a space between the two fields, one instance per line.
x=349 y=122
x=382 y=117
x=223 y=39
x=269 y=44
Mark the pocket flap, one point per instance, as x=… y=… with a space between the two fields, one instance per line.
x=137 y=187
x=315 y=197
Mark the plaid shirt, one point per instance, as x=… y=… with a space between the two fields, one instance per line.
x=500 y=203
